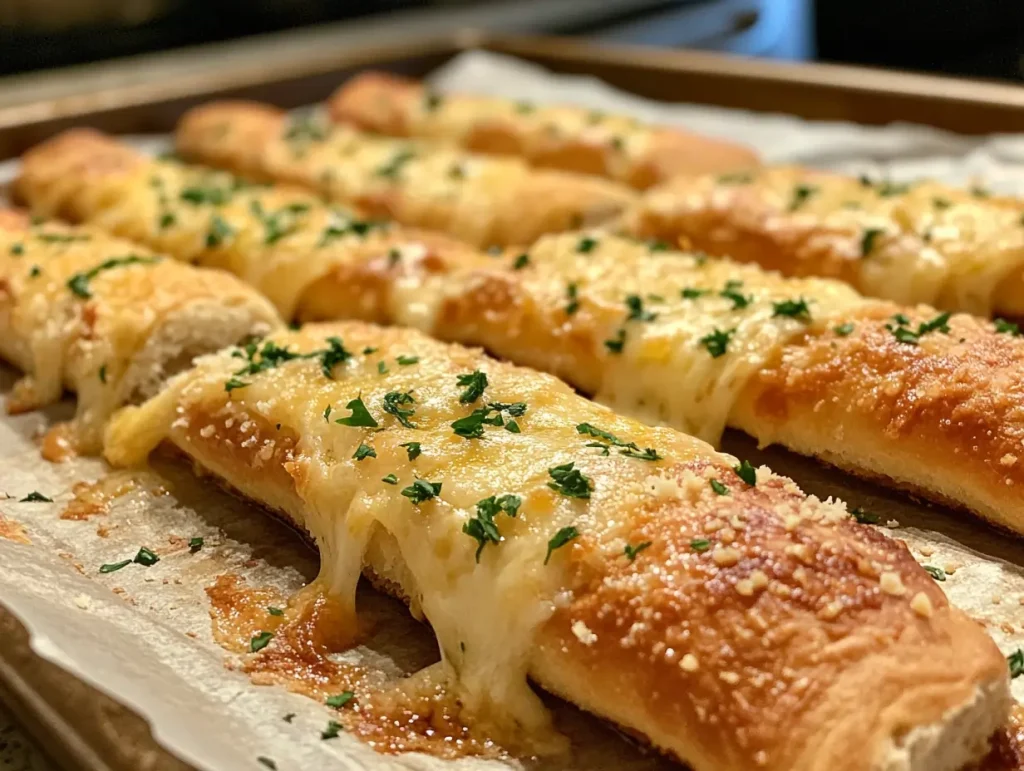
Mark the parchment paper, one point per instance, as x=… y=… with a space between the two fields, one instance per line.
x=143 y=635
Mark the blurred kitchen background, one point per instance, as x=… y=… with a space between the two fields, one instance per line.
x=983 y=38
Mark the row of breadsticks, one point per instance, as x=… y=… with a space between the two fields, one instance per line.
x=711 y=607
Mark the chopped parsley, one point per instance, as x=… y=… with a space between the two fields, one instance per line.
x=260 y=641
x=390 y=479
x=364 y=451
x=382 y=368
x=360 y=416
x=406 y=360
x=560 y=539
x=342 y=226
x=393 y=168
x=472 y=426
x=586 y=245
x=1016 y=663
x=421 y=490
x=112 y=567
x=980 y=192
x=617 y=343
x=904 y=334
x=219 y=232
x=719 y=488
x=146 y=557
x=234 y=383
x=166 y=220
x=306 y=127
x=215 y=196
x=635 y=306
x=103 y=374
x=746 y=472
x=868 y=239
x=474 y=382
x=717 y=343
x=631 y=551
x=18 y=249
x=941 y=203
x=79 y=283
x=864 y=517
x=331 y=732
x=700 y=545
x=195 y=544
x=277 y=225
x=1004 y=327
x=572 y=294
x=482 y=527
x=525 y=108
x=843 y=329
x=368 y=350
x=937 y=573
x=327 y=414
x=35 y=497
x=657 y=245
x=412 y=449
x=331 y=356
x=521 y=261
x=730 y=292
x=61 y=238
x=339 y=700
x=570 y=481
x=431 y=101
x=800 y=195
x=289 y=717
x=275 y=611
x=35 y=271
x=393 y=402
x=629 y=449
x=794 y=309
x=267 y=762
x=690 y=293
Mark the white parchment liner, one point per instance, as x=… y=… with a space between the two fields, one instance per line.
x=143 y=635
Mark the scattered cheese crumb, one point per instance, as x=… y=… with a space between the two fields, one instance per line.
x=689 y=663
x=730 y=677
x=725 y=556
x=82 y=601
x=206 y=431
x=891 y=583
x=583 y=633
x=921 y=605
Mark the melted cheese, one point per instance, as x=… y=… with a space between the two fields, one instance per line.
x=93 y=344
x=427 y=185
x=935 y=245
x=485 y=614
x=537 y=128
x=666 y=373
x=276 y=239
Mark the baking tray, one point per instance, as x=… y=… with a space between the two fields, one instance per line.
x=82 y=728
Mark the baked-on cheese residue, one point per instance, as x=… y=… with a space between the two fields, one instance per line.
x=678 y=335
x=458 y=477
x=920 y=242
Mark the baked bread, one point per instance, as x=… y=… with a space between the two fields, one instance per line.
x=483 y=200
x=723 y=615
x=558 y=136
x=924 y=242
x=916 y=399
x=284 y=241
x=107 y=319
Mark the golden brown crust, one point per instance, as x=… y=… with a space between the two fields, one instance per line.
x=945 y=415
x=564 y=138
x=485 y=201
x=790 y=638
x=921 y=242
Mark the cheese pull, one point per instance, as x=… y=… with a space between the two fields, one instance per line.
x=556 y=136
x=908 y=395
x=712 y=608
x=107 y=319
x=921 y=242
x=483 y=200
